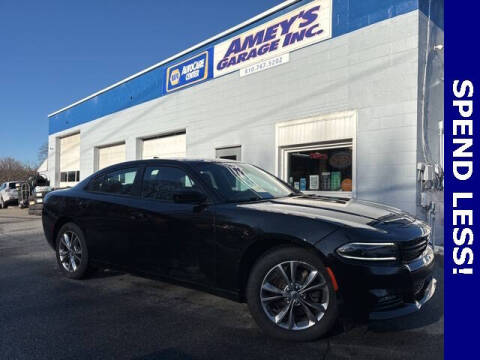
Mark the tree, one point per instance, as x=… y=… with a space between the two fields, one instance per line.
x=14 y=170
x=42 y=152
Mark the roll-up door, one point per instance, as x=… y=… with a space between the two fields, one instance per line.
x=110 y=155
x=69 y=160
x=172 y=146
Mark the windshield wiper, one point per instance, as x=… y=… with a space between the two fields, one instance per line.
x=253 y=198
x=292 y=194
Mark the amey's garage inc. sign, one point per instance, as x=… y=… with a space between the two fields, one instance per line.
x=301 y=27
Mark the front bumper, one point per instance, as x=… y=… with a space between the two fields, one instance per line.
x=383 y=291
x=10 y=198
x=407 y=308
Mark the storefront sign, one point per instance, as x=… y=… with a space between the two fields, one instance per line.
x=264 y=65
x=303 y=26
x=314 y=182
x=188 y=72
x=318 y=156
x=341 y=160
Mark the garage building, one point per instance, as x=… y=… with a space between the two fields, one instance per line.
x=336 y=97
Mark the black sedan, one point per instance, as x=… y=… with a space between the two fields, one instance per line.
x=234 y=230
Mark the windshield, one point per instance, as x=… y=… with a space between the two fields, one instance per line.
x=238 y=182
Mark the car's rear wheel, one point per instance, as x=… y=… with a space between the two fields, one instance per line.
x=3 y=205
x=72 y=252
x=291 y=296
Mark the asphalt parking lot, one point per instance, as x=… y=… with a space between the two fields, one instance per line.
x=118 y=316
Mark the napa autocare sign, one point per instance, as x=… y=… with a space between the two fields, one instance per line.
x=188 y=72
x=303 y=26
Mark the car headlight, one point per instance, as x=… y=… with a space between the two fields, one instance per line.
x=369 y=251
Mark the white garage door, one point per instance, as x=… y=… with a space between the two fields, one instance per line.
x=173 y=146
x=69 y=160
x=110 y=155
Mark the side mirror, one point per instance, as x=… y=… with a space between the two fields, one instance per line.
x=189 y=197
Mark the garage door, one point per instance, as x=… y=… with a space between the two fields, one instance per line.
x=110 y=155
x=173 y=146
x=69 y=160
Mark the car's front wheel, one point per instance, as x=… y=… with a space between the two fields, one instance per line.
x=291 y=295
x=72 y=252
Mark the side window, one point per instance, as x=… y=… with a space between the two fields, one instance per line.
x=161 y=183
x=116 y=182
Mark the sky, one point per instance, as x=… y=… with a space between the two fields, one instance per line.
x=53 y=53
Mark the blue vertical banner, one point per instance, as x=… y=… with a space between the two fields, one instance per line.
x=462 y=215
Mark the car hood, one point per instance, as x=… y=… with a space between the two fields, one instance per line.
x=351 y=213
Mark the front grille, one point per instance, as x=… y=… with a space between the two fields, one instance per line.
x=413 y=249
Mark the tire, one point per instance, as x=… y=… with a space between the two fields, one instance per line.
x=78 y=253
x=313 y=307
x=3 y=204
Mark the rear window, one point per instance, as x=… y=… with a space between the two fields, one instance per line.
x=117 y=182
x=162 y=182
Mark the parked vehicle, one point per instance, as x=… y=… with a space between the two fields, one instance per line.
x=39 y=187
x=8 y=194
x=32 y=192
x=236 y=231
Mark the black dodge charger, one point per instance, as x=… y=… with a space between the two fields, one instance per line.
x=234 y=230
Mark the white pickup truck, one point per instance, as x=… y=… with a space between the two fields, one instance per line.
x=8 y=194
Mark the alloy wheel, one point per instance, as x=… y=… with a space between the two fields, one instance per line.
x=70 y=251
x=294 y=295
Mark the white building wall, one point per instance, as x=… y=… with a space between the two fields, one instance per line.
x=430 y=109
x=373 y=71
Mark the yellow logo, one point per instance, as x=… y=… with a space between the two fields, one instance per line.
x=175 y=77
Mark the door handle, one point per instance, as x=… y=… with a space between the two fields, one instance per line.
x=138 y=216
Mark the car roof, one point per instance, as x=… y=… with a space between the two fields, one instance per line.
x=174 y=160
x=188 y=161
x=194 y=160
x=122 y=165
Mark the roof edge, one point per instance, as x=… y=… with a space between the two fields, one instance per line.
x=227 y=32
